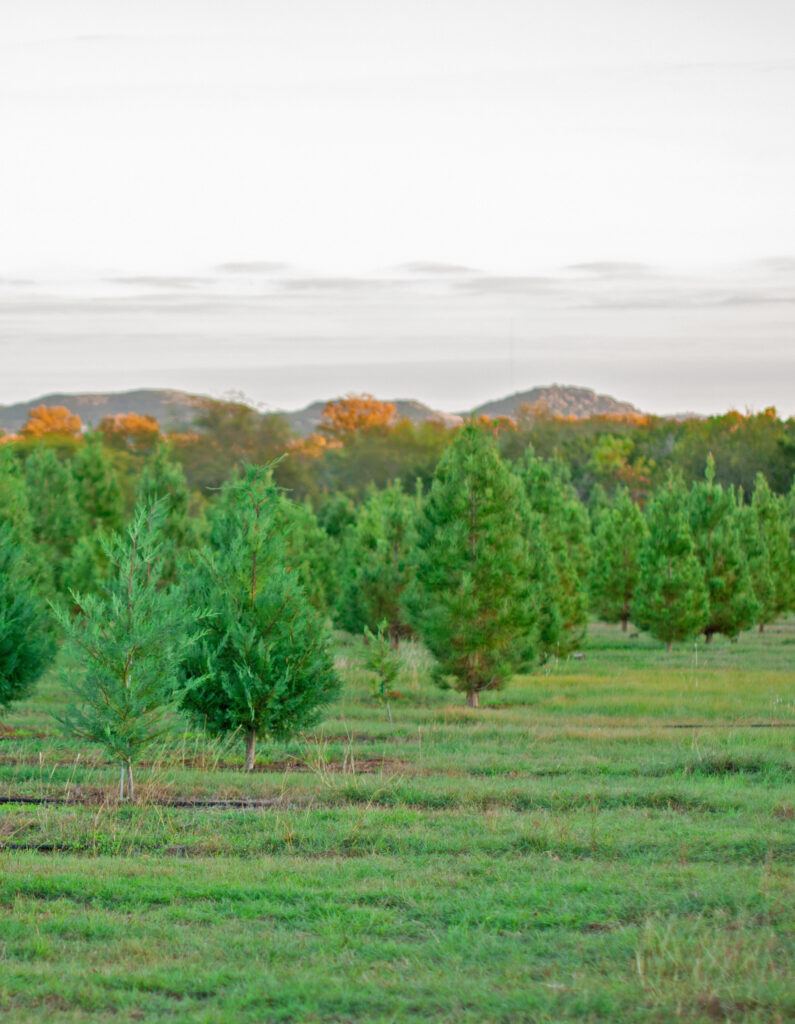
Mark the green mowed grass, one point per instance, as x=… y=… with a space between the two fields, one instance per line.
x=610 y=839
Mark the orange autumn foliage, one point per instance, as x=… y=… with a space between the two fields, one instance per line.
x=130 y=430
x=356 y=414
x=52 y=420
x=313 y=446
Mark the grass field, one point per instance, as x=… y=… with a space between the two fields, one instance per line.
x=612 y=839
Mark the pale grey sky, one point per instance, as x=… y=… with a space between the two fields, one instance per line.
x=215 y=194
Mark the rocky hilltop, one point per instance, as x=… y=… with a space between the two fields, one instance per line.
x=558 y=400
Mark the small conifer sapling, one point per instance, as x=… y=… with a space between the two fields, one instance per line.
x=130 y=642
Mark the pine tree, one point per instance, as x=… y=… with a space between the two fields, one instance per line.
x=308 y=550
x=473 y=599
x=375 y=564
x=771 y=516
x=98 y=490
x=27 y=642
x=131 y=642
x=671 y=599
x=715 y=525
x=565 y=524
x=382 y=658
x=264 y=665
x=162 y=479
x=758 y=558
x=15 y=512
x=57 y=521
x=619 y=538
x=791 y=524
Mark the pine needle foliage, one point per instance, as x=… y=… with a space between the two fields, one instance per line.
x=27 y=642
x=382 y=659
x=98 y=489
x=565 y=524
x=671 y=599
x=473 y=599
x=715 y=523
x=375 y=565
x=56 y=519
x=162 y=479
x=771 y=516
x=618 y=540
x=264 y=665
x=130 y=642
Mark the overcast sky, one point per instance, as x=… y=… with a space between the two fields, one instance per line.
x=447 y=199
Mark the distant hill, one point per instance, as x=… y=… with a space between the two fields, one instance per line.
x=558 y=400
x=169 y=408
x=305 y=421
x=176 y=409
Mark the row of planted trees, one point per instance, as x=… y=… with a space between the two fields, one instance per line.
x=225 y=614
x=222 y=632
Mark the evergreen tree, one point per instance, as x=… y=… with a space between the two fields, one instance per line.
x=307 y=550
x=618 y=540
x=336 y=511
x=771 y=516
x=565 y=524
x=87 y=568
x=382 y=658
x=57 y=521
x=162 y=479
x=131 y=642
x=473 y=599
x=98 y=489
x=264 y=665
x=375 y=564
x=671 y=599
x=598 y=502
x=27 y=643
x=715 y=524
x=15 y=512
x=791 y=525
x=14 y=507
x=758 y=558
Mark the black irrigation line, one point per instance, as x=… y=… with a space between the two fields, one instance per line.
x=730 y=725
x=232 y=804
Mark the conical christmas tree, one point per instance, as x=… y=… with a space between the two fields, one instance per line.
x=715 y=525
x=565 y=524
x=474 y=600
x=27 y=643
x=771 y=517
x=56 y=519
x=162 y=480
x=98 y=490
x=264 y=664
x=671 y=600
x=375 y=564
x=618 y=541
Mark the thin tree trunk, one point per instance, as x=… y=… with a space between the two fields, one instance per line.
x=251 y=743
x=761 y=627
x=669 y=646
x=130 y=787
x=708 y=638
x=121 y=782
x=624 y=623
x=472 y=699
x=388 y=712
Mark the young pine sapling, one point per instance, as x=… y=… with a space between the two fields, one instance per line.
x=381 y=658
x=130 y=641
